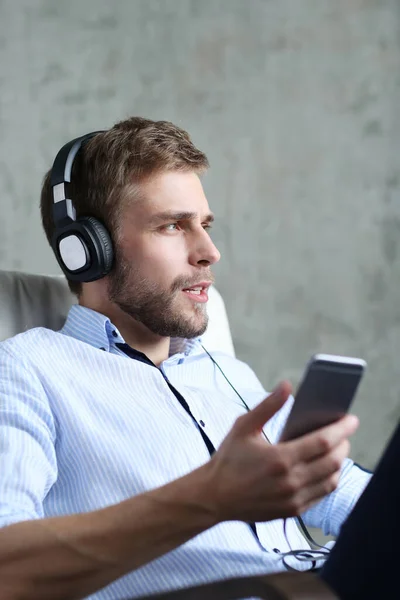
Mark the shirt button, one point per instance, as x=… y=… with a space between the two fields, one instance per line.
x=115 y=334
x=102 y=349
x=202 y=423
x=276 y=550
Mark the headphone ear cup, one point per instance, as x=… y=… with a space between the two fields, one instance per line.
x=102 y=240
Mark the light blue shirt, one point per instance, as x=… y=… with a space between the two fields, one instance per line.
x=84 y=426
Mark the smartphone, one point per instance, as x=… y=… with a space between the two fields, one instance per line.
x=325 y=393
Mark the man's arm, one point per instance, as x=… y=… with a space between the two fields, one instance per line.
x=246 y=479
x=71 y=557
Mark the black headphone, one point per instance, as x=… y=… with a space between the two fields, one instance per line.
x=82 y=246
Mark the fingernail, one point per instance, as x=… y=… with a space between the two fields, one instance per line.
x=354 y=420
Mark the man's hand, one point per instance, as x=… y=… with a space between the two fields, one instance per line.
x=252 y=480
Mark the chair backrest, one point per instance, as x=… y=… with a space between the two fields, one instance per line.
x=28 y=301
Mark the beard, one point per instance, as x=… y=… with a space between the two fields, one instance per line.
x=155 y=307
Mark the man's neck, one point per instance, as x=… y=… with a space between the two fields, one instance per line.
x=135 y=334
x=156 y=353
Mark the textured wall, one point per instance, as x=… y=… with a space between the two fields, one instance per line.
x=294 y=101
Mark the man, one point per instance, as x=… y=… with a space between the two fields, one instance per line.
x=107 y=427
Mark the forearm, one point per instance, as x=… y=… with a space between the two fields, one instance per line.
x=72 y=557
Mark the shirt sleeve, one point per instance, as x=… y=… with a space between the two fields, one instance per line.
x=28 y=465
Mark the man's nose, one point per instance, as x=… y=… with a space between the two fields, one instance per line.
x=206 y=252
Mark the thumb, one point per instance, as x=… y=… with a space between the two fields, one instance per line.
x=255 y=419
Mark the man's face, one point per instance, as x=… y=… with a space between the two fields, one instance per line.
x=163 y=257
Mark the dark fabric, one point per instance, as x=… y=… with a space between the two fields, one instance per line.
x=364 y=561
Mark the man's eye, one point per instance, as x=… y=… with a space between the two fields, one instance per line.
x=171 y=227
x=207 y=226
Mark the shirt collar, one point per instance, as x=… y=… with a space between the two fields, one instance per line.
x=91 y=327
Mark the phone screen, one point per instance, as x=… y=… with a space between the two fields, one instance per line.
x=324 y=395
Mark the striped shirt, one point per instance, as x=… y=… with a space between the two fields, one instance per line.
x=84 y=426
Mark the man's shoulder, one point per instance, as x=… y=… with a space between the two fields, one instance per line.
x=228 y=360
x=30 y=342
x=235 y=369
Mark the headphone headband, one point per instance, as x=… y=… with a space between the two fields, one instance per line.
x=61 y=174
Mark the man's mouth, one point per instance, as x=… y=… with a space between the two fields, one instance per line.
x=199 y=292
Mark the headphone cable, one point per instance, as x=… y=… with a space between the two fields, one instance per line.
x=320 y=551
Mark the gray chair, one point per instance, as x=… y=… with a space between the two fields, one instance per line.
x=28 y=301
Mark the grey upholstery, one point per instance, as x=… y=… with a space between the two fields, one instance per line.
x=28 y=301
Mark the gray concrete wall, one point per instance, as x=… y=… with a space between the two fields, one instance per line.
x=295 y=103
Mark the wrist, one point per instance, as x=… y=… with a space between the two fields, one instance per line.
x=191 y=499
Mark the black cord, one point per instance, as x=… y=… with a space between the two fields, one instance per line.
x=320 y=552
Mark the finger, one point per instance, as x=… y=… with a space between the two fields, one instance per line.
x=310 y=495
x=255 y=419
x=329 y=464
x=320 y=442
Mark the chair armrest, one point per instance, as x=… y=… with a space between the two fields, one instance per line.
x=280 y=586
